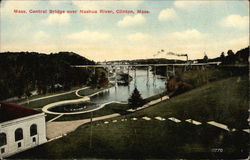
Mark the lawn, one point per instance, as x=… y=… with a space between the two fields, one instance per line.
x=224 y=101
x=43 y=102
x=144 y=139
x=69 y=96
x=47 y=94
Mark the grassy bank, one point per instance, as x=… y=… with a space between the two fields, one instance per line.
x=69 y=96
x=45 y=101
x=225 y=101
x=45 y=95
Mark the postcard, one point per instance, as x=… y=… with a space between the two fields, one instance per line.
x=124 y=79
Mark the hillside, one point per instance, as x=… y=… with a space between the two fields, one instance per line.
x=22 y=72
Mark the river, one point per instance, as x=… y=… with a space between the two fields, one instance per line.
x=147 y=87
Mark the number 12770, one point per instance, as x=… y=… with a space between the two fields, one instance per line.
x=217 y=150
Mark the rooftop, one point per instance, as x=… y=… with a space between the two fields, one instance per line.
x=12 y=111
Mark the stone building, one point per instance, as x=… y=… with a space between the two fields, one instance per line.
x=21 y=128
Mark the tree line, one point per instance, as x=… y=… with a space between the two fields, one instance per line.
x=229 y=58
x=22 y=72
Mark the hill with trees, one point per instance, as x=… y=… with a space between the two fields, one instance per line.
x=229 y=58
x=22 y=72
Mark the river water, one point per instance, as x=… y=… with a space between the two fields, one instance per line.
x=147 y=86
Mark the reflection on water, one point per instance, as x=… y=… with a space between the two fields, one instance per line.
x=147 y=87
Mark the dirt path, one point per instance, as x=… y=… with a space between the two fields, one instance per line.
x=58 y=129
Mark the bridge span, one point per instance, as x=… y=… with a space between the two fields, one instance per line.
x=115 y=68
x=146 y=65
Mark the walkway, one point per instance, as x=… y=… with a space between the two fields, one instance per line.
x=150 y=104
x=59 y=129
x=54 y=95
x=173 y=119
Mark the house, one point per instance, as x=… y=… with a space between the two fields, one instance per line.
x=21 y=128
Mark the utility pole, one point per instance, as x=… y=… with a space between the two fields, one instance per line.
x=154 y=76
x=135 y=76
x=91 y=131
x=147 y=75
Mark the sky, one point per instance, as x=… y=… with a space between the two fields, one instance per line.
x=194 y=27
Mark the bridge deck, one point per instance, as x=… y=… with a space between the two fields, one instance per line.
x=146 y=65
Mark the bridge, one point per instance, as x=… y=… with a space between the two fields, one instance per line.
x=146 y=65
x=116 y=67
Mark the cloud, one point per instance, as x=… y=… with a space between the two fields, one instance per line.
x=241 y=41
x=105 y=4
x=7 y=7
x=132 y=3
x=138 y=37
x=167 y=14
x=236 y=21
x=41 y=35
x=189 y=4
x=57 y=19
x=131 y=21
x=88 y=5
x=88 y=35
x=191 y=34
x=54 y=2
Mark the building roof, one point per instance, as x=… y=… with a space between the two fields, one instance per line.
x=12 y=111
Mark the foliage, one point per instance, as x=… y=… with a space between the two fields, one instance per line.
x=98 y=79
x=135 y=100
x=93 y=80
x=103 y=81
x=22 y=71
x=240 y=57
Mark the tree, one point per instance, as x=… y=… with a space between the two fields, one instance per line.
x=222 y=56
x=103 y=81
x=28 y=94
x=230 y=53
x=231 y=57
x=205 y=58
x=135 y=100
x=93 y=80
